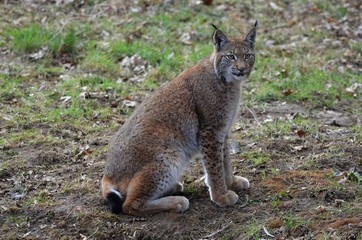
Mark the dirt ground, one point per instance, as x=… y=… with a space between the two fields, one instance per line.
x=298 y=202
x=305 y=181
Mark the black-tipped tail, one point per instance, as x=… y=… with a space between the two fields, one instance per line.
x=115 y=202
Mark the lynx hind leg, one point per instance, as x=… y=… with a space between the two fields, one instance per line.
x=146 y=193
x=177 y=188
x=141 y=208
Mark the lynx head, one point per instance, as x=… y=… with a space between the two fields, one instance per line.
x=233 y=57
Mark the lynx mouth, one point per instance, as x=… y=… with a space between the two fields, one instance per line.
x=237 y=74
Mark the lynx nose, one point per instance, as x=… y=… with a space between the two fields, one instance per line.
x=241 y=66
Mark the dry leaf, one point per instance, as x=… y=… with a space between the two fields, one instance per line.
x=355 y=87
x=292 y=22
x=275 y=7
x=129 y=103
x=287 y=92
x=300 y=133
x=65 y=98
x=38 y=55
x=299 y=148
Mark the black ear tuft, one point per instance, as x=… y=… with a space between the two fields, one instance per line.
x=250 y=37
x=214 y=26
x=256 y=23
x=220 y=39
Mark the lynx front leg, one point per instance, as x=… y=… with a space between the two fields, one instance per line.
x=234 y=183
x=212 y=157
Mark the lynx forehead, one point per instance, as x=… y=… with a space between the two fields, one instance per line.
x=189 y=116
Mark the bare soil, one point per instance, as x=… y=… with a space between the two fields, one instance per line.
x=65 y=200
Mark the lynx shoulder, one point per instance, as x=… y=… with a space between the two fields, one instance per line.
x=191 y=115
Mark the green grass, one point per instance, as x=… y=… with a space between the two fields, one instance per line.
x=34 y=37
x=290 y=222
x=97 y=61
x=257 y=158
x=10 y=87
x=335 y=10
x=253 y=230
x=66 y=43
x=289 y=83
x=28 y=39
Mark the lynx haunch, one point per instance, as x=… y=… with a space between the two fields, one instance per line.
x=189 y=116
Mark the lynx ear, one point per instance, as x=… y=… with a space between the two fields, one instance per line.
x=250 y=37
x=219 y=39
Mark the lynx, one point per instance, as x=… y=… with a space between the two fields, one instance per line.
x=187 y=117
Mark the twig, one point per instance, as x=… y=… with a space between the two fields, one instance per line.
x=252 y=113
x=71 y=212
x=200 y=180
x=281 y=26
x=218 y=231
x=62 y=27
x=93 y=233
x=267 y=232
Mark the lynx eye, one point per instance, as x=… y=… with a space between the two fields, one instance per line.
x=247 y=56
x=231 y=57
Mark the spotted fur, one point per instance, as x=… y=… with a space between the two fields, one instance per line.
x=189 y=116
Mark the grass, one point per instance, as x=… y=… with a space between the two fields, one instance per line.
x=257 y=158
x=253 y=230
x=28 y=39
x=96 y=61
x=292 y=84
x=291 y=222
x=34 y=37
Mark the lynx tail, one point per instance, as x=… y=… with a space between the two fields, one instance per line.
x=115 y=201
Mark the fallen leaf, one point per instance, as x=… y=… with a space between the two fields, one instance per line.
x=287 y=92
x=250 y=145
x=292 y=22
x=330 y=20
x=291 y=116
x=186 y=38
x=275 y=7
x=65 y=98
x=275 y=223
x=300 y=133
x=354 y=88
x=267 y=232
x=38 y=55
x=114 y=104
x=83 y=95
x=129 y=103
x=299 y=148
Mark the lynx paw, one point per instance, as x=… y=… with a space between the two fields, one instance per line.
x=228 y=199
x=240 y=183
x=182 y=205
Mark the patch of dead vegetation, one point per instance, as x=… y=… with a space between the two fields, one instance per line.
x=297 y=178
